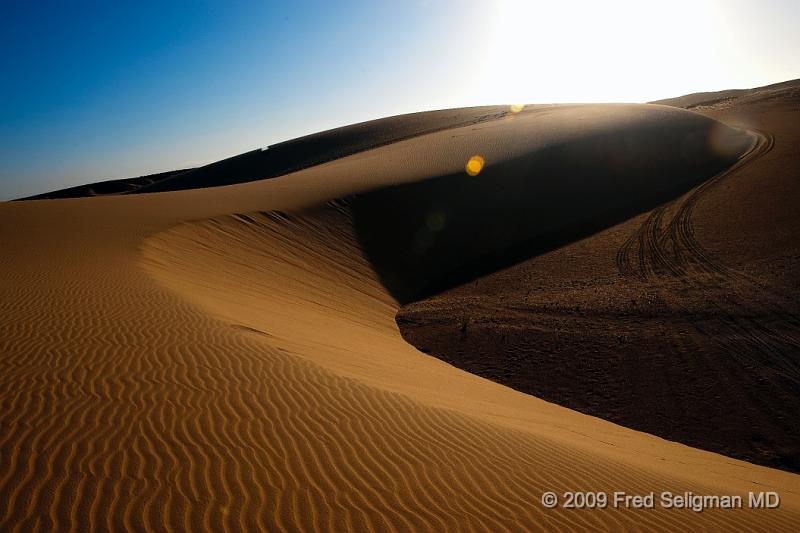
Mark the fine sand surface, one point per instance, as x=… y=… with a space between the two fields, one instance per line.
x=682 y=322
x=227 y=358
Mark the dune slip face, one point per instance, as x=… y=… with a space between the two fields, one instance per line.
x=679 y=322
x=228 y=359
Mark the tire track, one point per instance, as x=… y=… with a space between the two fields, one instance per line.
x=742 y=314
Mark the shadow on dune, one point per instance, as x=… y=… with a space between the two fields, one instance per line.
x=426 y=237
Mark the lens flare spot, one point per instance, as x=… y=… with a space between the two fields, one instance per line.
x=435 y=221
x=475 y=165
x=516 y=108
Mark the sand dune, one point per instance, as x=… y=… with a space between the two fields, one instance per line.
x=103 y=188
x=227 y=359
x=692 y=303
x=725 y=97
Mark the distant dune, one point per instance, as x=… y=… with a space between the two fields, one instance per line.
x=227 y=357
x=103 y=188
x=720 y=97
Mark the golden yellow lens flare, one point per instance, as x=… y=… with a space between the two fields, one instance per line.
x=475 y=165
x=516 y=108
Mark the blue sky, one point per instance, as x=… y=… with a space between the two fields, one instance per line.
x=103 y=90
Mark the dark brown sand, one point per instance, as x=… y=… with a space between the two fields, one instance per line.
x=682 y=322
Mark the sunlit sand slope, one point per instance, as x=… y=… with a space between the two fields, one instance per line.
x=170 y=362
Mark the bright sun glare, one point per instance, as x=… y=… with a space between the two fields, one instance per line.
x=599 y=51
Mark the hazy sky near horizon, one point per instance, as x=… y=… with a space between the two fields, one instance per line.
x=102 y=90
